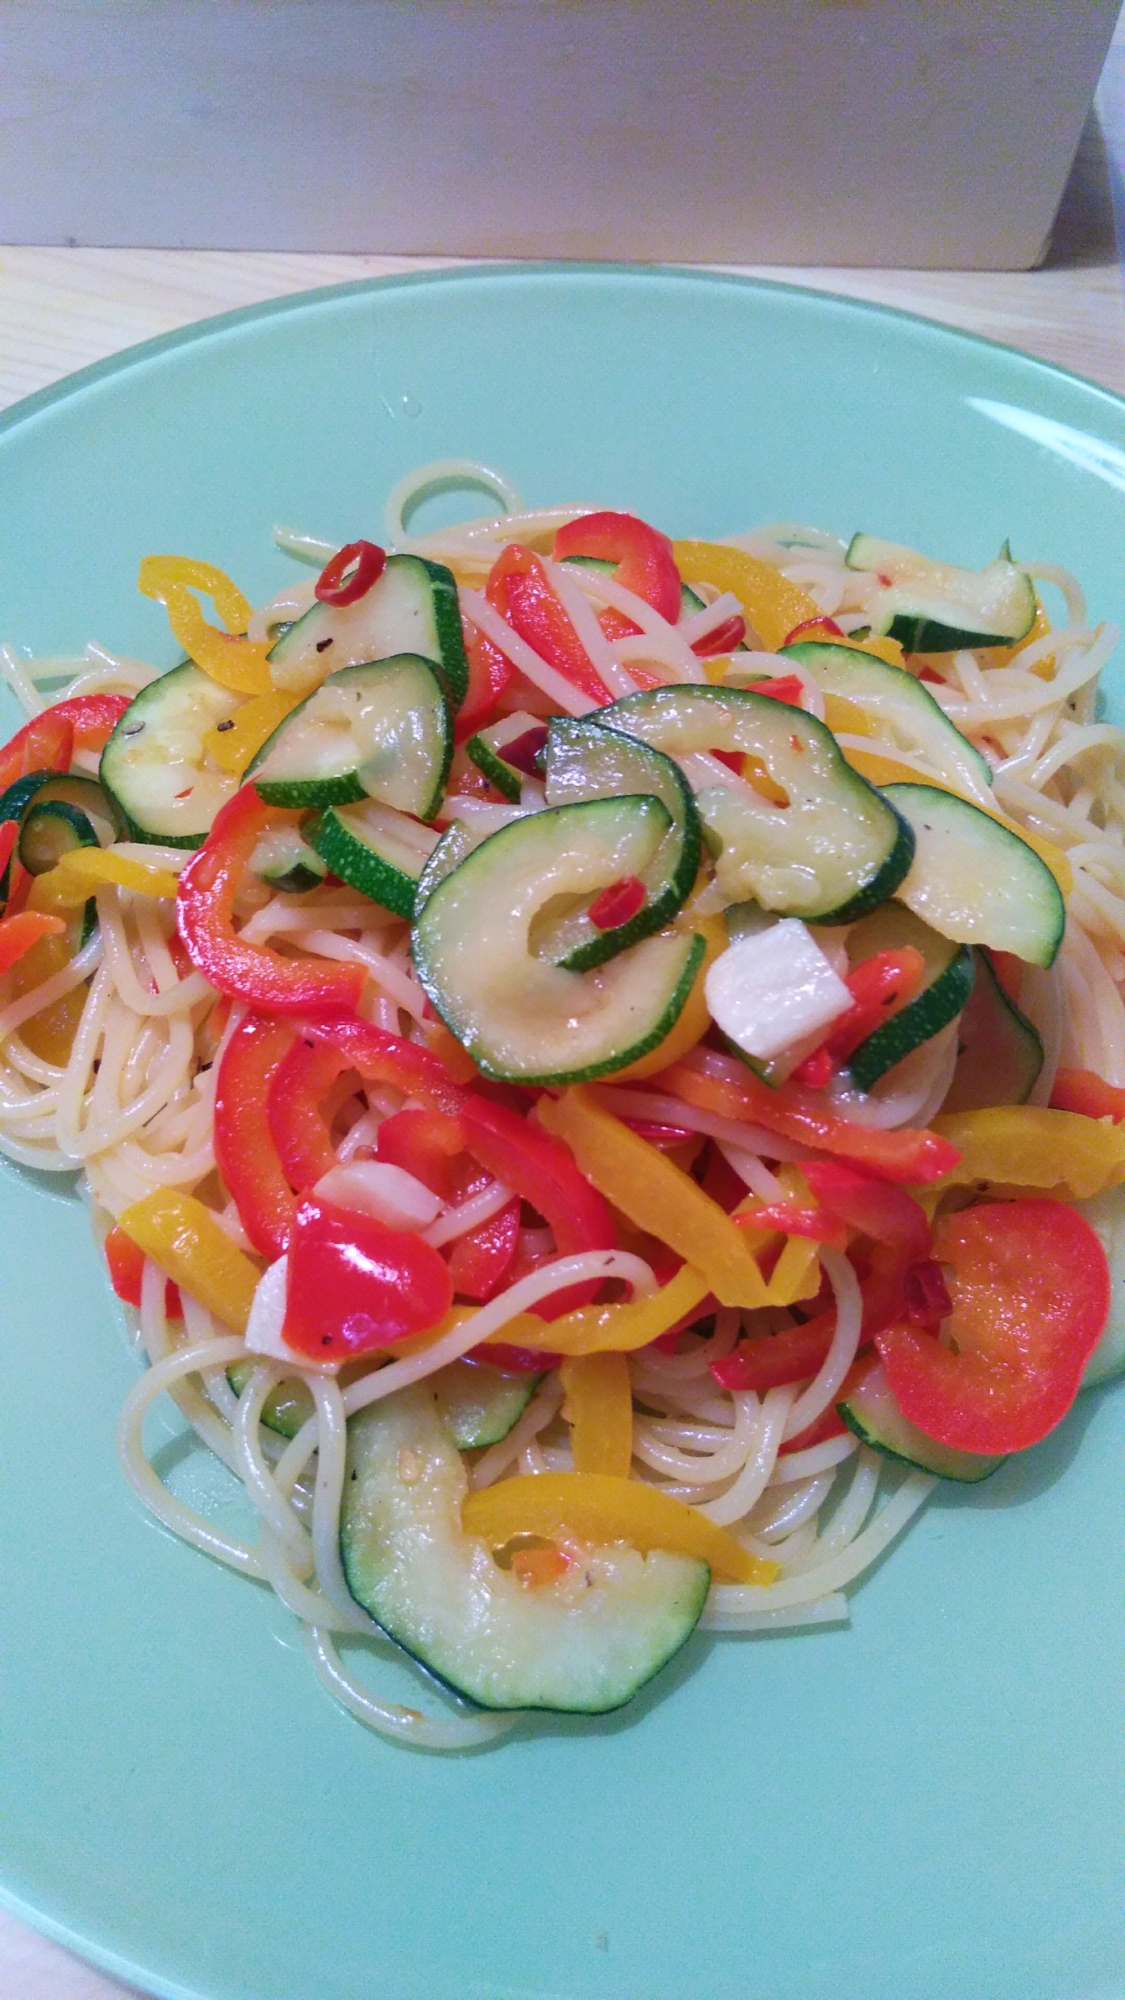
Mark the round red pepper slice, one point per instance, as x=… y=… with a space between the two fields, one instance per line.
x=1030 y=1291
x=351 y=573
x=618 y=904
x=354 y=1284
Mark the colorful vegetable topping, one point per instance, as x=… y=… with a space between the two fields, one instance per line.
x=619 y=1004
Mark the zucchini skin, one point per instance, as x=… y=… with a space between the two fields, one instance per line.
x=922 y=1018
x=377 y=878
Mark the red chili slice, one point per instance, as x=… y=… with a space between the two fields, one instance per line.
x=617 y=904
x=351 y=573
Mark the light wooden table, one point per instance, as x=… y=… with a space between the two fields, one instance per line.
x=61 y=309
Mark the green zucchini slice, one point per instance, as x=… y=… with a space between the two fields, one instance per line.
x=585 y=1644
x=378 y=731
x=284 y=859
x=999 y=1052
x=899 y=701
x=478 y=1404
x=976 y=881
x=413 y=608
x=523 y=1018
x=934 y=607
x=947 y=984
x=73 y=789
x=50 y=829
x=585 y=761
x=486 y=750
x=871 y=1412
x=1105 y=1214
x=376 y=850
x=154 y=767
x=833 y=852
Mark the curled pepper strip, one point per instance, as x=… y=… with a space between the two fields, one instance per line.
x=322 y=1052
x=597 y=1507
x=205 y=913
x=228 y=657
x=350 y=573
x=245 y=1153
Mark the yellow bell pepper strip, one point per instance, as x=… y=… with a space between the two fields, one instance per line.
x=236 y=746
x=879 y=769
x=185 y=1240
x=612 y=1328
x=598 y=1406
x=796 y=1275
x=72 y=880
x=695 y=1017
x=772 y=605
x=596 y=1507
x=228 y=657
x=1030 y=1146
x=656 y=1195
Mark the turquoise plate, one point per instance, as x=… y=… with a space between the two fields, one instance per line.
x=929 y=1805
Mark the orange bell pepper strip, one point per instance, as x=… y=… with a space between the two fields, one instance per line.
x=598 y=1406
x=268 y=981
x=1080 y=1090
x=18 y=934
x=898 y=1154
x=597 y=1507
x=228 y=657
x=185 y=1240
x=656 y=1195
x=79 y=873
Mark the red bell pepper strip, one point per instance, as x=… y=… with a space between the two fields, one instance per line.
x=773 y=1359
x=879 y=986
x=893 y=1155
x=93 y=717
x=784 y=687
x=643 y=556
x=479 y=1261
x=519 y=589
x=126 y=1261
x=830 y=1424
x=887 y=1214
x=354 y=1284
x=209 y=884
x=542 y=1170
x=425 y=1144
x=1031 y=1295
x=322 y=1052
x=815 y=1223
x=350 y=573
x=515 y=1360
x=245 y=1154
x=1080 y=1090
x=489 y=674
x=723 y=639
x=19 y=933
x=46 y=743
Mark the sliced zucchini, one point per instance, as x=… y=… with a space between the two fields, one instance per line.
x=413 y=608
x=155 y=768
x=871 y=1412
x=478 y=1403
x=947 y=984
x=522 y=1018
x=457 y=842
x=73 y=789
x=487 y=747
x=51 y=829
x=585 y=761
x=901 y=703
x=1105 y=1214
x=976 y=881
x=832 y=852
x=999 y=1052
x=933 y=607
x=284 y=859
x=376 y=850
x=378 y=731
x=585 y=1644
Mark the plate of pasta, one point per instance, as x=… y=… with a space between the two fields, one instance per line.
x=562 y=1099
